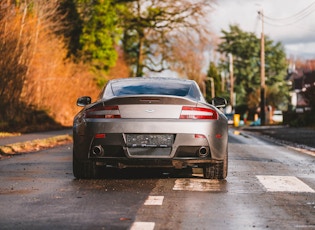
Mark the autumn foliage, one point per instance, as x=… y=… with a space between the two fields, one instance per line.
x=39 y=83
x=53 y=52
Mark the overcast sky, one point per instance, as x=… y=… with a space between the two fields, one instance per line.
x=290 y=21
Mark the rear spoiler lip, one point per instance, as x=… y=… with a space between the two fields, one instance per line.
x=150 y=99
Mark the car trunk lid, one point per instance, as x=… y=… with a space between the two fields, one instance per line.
x=150 y=106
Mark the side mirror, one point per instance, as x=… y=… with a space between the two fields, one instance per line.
x=83 y=101
x=219 y=102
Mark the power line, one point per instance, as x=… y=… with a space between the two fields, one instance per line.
x=301 y=14
x=303 y=27
x=291 y=19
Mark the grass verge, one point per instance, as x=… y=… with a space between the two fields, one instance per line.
x=6 y=134
x=34 y=145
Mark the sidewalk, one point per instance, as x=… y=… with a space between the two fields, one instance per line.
x=33 y=136
x=297 y=137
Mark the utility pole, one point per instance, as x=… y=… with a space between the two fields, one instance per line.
x=231 y=81
x=222 y=81
x=212 y=86
x=262 y=72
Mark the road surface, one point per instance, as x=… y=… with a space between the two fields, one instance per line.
x=268 y=186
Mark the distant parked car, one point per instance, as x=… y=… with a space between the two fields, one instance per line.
x=277 y=116
x=150 y=122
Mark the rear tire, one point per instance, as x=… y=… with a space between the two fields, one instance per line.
x=216 y=170
x=84 y=169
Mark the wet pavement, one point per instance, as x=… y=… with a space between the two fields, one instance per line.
x=268 y=187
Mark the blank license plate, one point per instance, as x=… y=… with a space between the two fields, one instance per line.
x=149 y=140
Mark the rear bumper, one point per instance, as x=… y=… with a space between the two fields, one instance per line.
x=211 y=135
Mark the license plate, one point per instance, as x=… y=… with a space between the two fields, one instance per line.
x=149 y=140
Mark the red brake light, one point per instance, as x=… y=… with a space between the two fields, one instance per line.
x=103 y=112
x=198 y=113
x=100 y=135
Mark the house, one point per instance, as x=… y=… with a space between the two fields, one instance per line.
x=301 y=78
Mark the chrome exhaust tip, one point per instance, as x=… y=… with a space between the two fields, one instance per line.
x=203 y=152
x=98 y=150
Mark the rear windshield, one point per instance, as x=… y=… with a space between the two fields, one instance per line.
x=138 y=88
x=167 y=87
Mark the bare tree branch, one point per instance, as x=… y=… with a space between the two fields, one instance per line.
x=157 y=22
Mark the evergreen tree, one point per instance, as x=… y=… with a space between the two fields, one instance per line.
x=213 y=72
x=99 y=33
x=245 y=48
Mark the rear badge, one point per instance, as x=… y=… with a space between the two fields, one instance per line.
x=150 y=110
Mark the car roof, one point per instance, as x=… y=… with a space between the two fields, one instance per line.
x=152 y=79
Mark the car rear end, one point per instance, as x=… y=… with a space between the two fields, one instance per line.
x=131 y=134
x=151 y=131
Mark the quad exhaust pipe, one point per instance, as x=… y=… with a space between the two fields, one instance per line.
x=203 y=152
x=98 y=150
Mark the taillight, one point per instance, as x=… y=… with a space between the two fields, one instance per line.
x=198 y=113
x=103 y=112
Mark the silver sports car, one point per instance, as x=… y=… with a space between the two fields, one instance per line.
x=150 y=122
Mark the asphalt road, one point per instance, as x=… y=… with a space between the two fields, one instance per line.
x=268 y=187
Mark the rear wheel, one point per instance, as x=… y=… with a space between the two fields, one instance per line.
x=84 y=169
x=216 y=170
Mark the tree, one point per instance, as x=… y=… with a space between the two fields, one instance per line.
x=186 y=57
x=245 y=48
x=213 y=72
x=151 y=29
x=100 y=32
x=72 y=29
x=35 y=73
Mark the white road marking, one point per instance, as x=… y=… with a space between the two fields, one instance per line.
x=305 y=226
x=142 y=226
x=201 y=185
x=284 y=184
x=154 y=200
